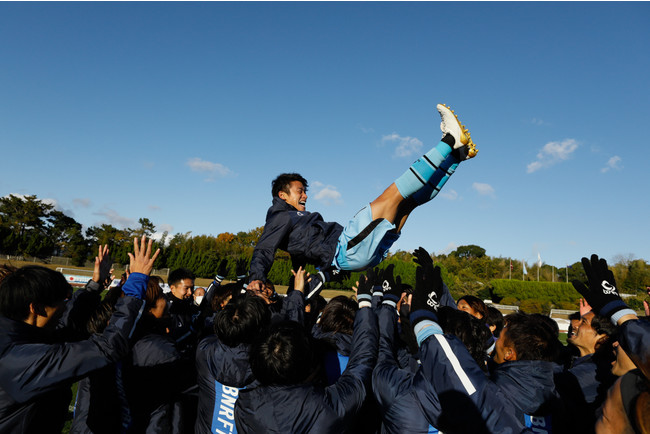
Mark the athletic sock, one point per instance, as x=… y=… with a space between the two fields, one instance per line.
x=437 y=181
x=418 y=175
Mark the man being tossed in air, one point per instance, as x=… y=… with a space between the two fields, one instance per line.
x=365 y=241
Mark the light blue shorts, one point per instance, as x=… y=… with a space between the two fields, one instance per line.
x=364 y=242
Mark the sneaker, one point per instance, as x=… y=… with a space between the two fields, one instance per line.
x=449 y=124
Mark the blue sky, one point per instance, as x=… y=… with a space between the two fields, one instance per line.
x=184 y=112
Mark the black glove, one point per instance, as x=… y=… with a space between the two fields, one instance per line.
x=315 y=285
x=391 y=287
x=427 y=293
x=241 y=268
x=222 y=271
x=422 y=258
x=364 y=291
x=374 y=276
x=602 y=294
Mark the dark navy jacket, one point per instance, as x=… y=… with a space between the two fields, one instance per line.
x=221 y=372
x=448 y=391
x=529 y=385
x=154 y=377
x=302 y=234
x=306 y=408
x=635 y=335
x=36 y=374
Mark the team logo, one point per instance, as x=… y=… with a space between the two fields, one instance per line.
x=385 y=286
x=433 y=300
x=299 y=213
x=608 y=288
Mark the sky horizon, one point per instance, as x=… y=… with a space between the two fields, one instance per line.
x=183 y=113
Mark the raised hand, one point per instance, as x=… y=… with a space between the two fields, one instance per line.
x=141 y=260
x=299 y=280
x=103 y=265
x=222 y=270
x=392 y=287
x=427 y=293
x=364 y=291
x=602 y=294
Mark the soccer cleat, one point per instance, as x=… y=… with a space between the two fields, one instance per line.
x=449 y=124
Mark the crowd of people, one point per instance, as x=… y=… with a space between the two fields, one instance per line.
x=390 y=359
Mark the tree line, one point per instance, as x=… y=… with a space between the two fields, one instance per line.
x=31 y=227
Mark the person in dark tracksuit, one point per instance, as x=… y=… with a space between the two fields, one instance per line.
x=449 y=392
x=36 y=372
x=222 y=362
x=287 y=400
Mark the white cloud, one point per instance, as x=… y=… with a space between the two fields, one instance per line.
x=81 y=202
x=483 y=189
x=613 y=163
x=115 y=219
x=406 y=146
x=449 y=194
x=553 y=153
x=327 y=194
x=537 y=121
x=450 y=248
x=213 y=169
x=153 y=208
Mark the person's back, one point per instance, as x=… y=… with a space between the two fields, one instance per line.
x=222 y=361
x=287 y=400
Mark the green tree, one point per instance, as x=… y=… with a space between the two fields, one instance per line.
x=469 y=251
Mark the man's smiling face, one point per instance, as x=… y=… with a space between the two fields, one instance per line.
x=297 y=196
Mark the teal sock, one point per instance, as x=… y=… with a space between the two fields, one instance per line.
x=437 y=181
x=421 y=171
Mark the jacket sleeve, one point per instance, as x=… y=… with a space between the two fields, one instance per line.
x=275 y=229
x=388 y=380
x=293 y=307
x=635 y=336
x=348 y=393
x=468 y=400
x=29 y=370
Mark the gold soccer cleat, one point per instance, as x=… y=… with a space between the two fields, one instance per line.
x=450 y=124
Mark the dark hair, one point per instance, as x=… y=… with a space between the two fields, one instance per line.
x=476 y=304
x=532 y=338
x=241 y=320
x=603 y=326
x=179 y=274
x=338 y=315
x=283 y=182
x=494 y=318
x=222 y=292
x=6 y=270
x=575 y=316
x=469 y=329
x=283 y=355
x=35 y=285
x=153 y=293
x=100 y=317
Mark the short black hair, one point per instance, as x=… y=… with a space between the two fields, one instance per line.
x=179 y=274
x=283 y=182
x=241 y=320
x=494 y=318
x=531 y=337
x=338 y=315
x=222 y=292
x=31 y=284
x=283 y=355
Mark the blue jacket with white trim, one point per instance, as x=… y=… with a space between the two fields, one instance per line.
x=222 y=372
x=449 y=392
x=303 y=234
